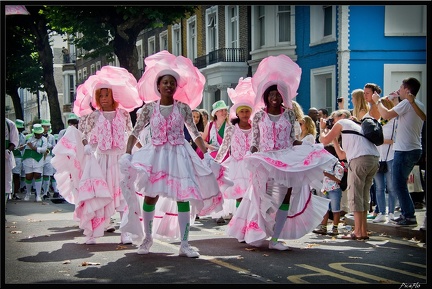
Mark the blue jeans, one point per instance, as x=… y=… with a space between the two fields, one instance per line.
x=383 y=182
x=403 y=163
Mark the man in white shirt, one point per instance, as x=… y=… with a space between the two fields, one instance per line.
x=11 y=142
x=410 y=115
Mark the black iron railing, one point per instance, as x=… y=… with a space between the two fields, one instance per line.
x=221 y=55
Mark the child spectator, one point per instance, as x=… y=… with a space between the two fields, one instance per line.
x=331 y=190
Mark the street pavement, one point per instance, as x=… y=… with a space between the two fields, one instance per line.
x=43 y=245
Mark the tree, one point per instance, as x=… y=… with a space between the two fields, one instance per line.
x=109 y=30
x=22 y=65
x=34 y=29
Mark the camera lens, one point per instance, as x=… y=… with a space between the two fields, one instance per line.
x=329 y=123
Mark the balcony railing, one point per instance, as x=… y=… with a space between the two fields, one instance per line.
x=221 y=55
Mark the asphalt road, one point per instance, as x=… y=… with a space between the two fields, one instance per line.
x=43 y=245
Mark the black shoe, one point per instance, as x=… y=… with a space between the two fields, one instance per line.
x=45 y=197
x=15 y=197
x=56 y=195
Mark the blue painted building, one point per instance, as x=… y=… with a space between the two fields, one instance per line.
x=360 y=44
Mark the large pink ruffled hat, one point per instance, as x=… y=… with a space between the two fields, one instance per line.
x=122 y=83
x=190 y=81
x=242 y=95
x=277 y=70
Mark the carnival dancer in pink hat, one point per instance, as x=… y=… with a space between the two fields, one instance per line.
x=87 y=163
x=167 y=167
x=237 y=140
x=278 y=204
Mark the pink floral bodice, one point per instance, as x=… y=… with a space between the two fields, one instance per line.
x=270 y=135
x=237 y=140
x=105 y=133
x=168 y=128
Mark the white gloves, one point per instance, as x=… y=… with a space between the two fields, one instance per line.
x=88 y=150
x=208 y=159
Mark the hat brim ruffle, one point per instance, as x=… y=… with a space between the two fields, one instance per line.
x=277 y=70
x=122 y=83
x=190 y=81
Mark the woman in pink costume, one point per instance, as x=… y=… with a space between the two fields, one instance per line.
x=167 y=167
x=278 y=203
x=237 y=140
x=87 y=163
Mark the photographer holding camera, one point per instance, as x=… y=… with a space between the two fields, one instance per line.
x=362 y=156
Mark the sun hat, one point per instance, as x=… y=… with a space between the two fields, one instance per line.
x=276 y=70
x=19 y=123
x=45 y=122
x=190 y=81
x=218 y=105
x=37 y=129
x=122 y=83
x=242 y=95
x=72 y=116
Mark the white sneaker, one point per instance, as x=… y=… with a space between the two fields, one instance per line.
x=38 y=199
x=144 y=248
x=90 y=241
x=390 y=216
x=188 y=251
x=278 y=245
x=125 y=238
x=27 y=197
x=380 y=218
x=110 y=229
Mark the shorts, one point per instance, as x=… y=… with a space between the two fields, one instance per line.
x=32 y=166
x=335 y=197
x=18 y=169
x=48 y=169
x=361 y=173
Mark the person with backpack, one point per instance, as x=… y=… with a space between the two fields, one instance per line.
x=363 y=162
x=410 y=114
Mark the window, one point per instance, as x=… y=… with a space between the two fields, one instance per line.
x=163 y=40
x=416 y=26
x=261 y=25
x=98 y=66
x=151 y=45
x=85 y=73
x=140 y=56
x=71 y=89
x=322 y=88
x=191 y=38
x=79 y=76
x=233 y=26
x=322 y=24
x=211 y=21
x=284 y=23
x=328 y=29
x=92 y=69
x=176 y=39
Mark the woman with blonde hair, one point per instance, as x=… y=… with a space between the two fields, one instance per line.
x=359 y=102
x=298 y=111
x=308 y=130
x=383 y=180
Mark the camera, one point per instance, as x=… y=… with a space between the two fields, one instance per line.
x=329 y=123
x=340 y=99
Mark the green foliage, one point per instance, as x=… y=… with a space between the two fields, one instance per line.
x=97 y=28
x=23 y=68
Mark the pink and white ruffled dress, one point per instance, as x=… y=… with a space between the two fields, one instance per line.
x=238 y=141
x=275 y=167
x=168 y=167
x=92 y=182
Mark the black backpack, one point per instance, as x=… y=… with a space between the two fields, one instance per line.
x=372 y=130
